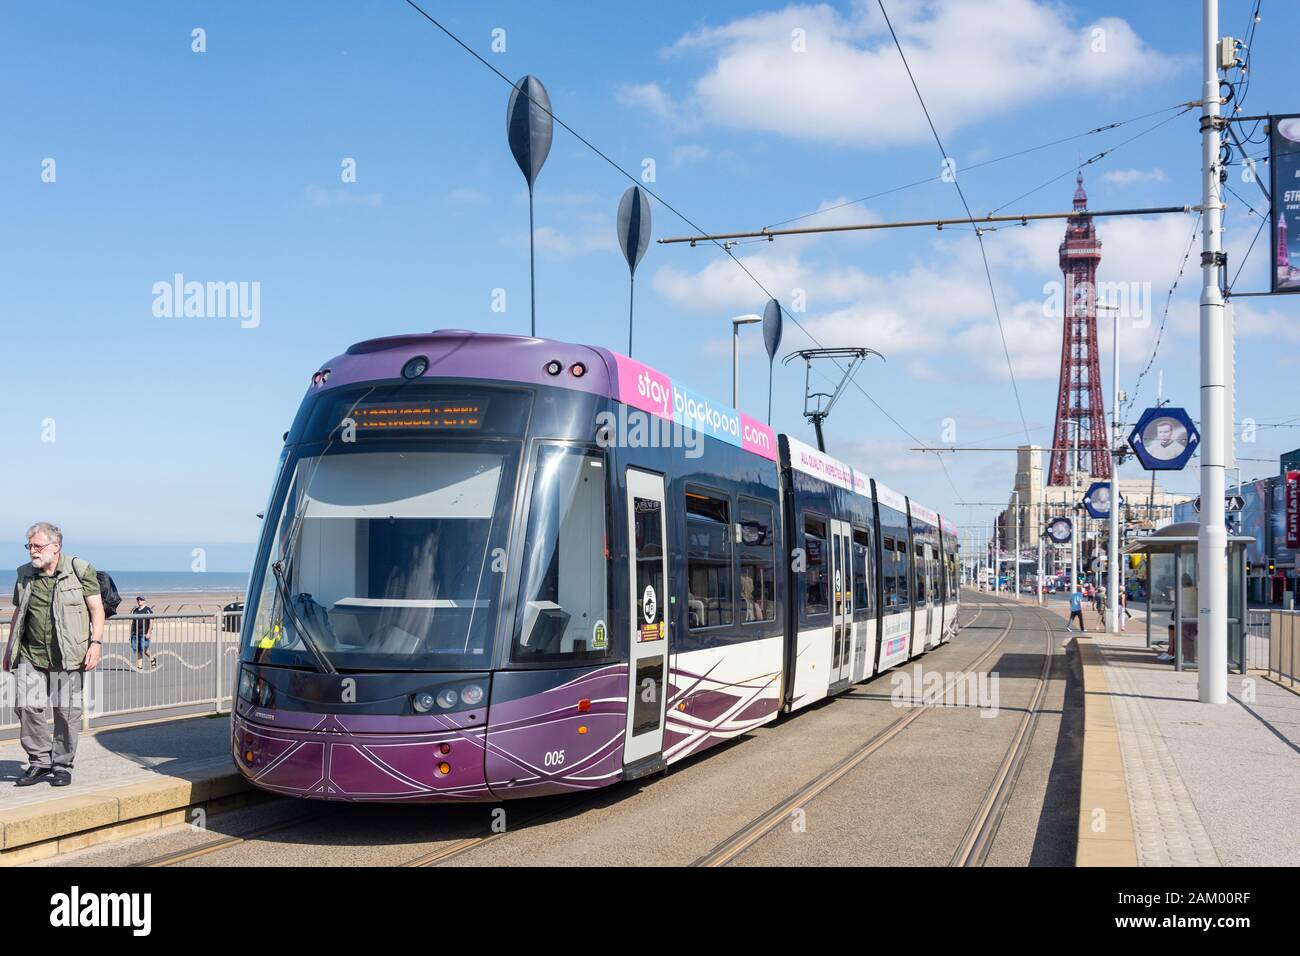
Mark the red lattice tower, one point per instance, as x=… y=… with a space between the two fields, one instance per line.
x=1079 y=395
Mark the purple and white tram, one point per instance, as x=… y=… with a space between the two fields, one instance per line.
x=497 y=566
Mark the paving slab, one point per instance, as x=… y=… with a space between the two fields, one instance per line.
x=1208 y=784
x=120 y=775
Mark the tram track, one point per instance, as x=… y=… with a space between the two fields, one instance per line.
x=462 y=847
x=977 y=841
x=227 y=842
x=726 y=850
x=744 y=838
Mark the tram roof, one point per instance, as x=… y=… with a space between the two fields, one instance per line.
x=459 y=353
x=462 y=353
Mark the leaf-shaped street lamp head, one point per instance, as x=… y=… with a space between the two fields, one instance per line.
x=529 y=126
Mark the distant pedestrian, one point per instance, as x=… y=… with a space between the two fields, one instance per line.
x=140 y=628
x=1076 y=610
x=54 y=638
x=1124 y=613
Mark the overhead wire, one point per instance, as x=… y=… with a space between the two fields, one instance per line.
x=1093 y=159
x=667 y=205
x=997 y=312
x=980 y=165
x=1169 y=298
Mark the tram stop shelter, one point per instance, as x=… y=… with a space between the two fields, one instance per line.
x=1173 y=612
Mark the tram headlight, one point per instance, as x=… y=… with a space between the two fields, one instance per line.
x=246 y=685
x=447 y=698
x=471 y=694
x=423 y=702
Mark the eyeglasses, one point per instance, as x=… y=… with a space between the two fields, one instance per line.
x=37 y=547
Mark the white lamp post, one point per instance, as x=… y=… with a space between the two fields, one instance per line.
x=736 y=323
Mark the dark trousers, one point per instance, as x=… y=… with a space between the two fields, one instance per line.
x=1079 y=615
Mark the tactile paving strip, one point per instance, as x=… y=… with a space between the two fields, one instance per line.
x=1168 y=829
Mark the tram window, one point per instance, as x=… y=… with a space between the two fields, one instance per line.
x=708 y=560
x=815 y=561
x=563 y=601
x=902 y=572
x=861 y=571
x=920 y=570
x=757 y=561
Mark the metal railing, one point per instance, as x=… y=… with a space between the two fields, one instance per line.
x=1283 y=645
x=1257 y=638
x=185 y=665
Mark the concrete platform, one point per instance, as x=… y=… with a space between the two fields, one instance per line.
x=125 y=781
x=1206 y=784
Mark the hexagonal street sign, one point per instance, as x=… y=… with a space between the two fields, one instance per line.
x=1164 y=439
x=1097 y=500
x=1059 y=530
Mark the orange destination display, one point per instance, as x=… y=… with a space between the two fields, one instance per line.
x=442 y=416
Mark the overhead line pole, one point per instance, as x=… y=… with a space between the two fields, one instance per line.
x=1114 y=569
x=937 y=223
x=1212 y=539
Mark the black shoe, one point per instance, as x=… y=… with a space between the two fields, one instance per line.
x=32 y=775
x=60 y=777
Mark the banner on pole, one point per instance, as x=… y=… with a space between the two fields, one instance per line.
x=1284 y=166
x=1293 y=509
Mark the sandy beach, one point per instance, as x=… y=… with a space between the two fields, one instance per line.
x=169 y=602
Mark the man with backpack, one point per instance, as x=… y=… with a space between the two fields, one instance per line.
x=54 y=638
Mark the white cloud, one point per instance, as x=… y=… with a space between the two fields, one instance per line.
x=1127 y=177
x=647 y=96
x=690 y=153
x=847 y=85
x=580 y=232
x=564 y=244
x=720 y=286
x=883 y=460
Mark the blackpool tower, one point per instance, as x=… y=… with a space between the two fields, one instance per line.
x=1079 y=404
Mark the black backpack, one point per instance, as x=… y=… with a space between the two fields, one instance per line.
x=107 y=589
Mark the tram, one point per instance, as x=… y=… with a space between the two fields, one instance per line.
x=496 y=567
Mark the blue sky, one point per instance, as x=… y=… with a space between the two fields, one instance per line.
x=225 y=166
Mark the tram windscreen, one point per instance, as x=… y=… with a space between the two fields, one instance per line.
x=387 y=557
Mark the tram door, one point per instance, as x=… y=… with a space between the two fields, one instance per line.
x=842 y=582
x=648 y=623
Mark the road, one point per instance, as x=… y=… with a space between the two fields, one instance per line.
x=867 y=778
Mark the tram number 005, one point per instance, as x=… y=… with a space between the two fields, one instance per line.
x=554 y=758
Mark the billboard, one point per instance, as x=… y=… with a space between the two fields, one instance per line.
x=1284 y=162
x=1278 y=549
x=1254 y=518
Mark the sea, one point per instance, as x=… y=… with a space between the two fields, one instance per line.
x=149 y=583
